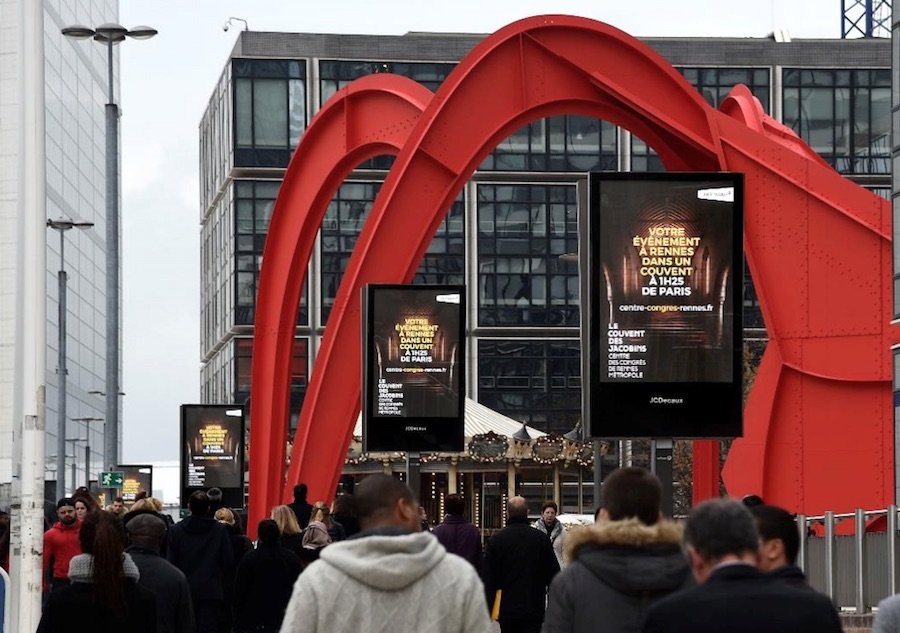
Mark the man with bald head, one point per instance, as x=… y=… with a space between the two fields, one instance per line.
x=174 y=612
x=520 y=563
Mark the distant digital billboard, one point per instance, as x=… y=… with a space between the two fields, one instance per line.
x=136 y=478
x=413 y=368
x=212 y=451
x=665 y=329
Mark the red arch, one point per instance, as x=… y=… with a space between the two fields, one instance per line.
x=829 y=332
x=371 y=116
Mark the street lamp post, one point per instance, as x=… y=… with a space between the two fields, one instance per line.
x=62 y=226
x=87 y=447
x=74 y=440
x=110 y=35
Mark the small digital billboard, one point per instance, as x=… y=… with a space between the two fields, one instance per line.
x=664 y=330
x=136 y=478
x=212 y=451
x=413 y=368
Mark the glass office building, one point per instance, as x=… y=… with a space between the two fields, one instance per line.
x=504 y=235
x=75 y=93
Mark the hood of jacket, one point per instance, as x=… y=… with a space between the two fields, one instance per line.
x=386 y=562
x=631 y=557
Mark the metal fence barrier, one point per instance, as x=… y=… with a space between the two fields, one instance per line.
x=856 y=570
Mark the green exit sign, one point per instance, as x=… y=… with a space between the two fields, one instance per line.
x=112 y=479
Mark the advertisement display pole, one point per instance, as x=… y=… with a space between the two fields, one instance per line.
x=661 y=458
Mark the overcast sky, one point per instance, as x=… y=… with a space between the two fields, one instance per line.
x=166 y=84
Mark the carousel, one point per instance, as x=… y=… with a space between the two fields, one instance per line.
x=502 y=458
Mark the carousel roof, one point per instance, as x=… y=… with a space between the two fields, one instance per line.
x=481 y=419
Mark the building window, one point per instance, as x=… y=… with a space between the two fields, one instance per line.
x=538 y=383
x=561 y=143
x=243 y=354
x=254 y=201
x=522 y=231
x=269 y=110
x=444 y=261
x=844 y=115
x=713 y=84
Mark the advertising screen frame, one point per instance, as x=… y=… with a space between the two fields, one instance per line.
x=411 y=433
x=232 y=496
x=128 y=469
x=683 y=409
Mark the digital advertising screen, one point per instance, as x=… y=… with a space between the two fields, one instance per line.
x=413 y=368
x=212 y=451
x=665 y=336
x=137 y=478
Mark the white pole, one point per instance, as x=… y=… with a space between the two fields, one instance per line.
x=27 y=541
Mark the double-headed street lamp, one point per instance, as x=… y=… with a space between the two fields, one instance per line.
x=62 y=226
x=110 y=35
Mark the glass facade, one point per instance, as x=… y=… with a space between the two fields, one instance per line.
x=269 y=110
x=254 y=201
x=844 y=115
x=523 y=229
x=534 y=381
x=75 y=90
x=444 y=262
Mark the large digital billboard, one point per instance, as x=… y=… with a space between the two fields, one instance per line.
x=665 y=332
x=212 y=451
x=413 y=368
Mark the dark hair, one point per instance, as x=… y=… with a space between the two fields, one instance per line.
x=774 y=522
x=83 y=494
x=344 y=505
x=268 y=532
x=198 y=503
x=632 y=493
x=103 y=536
x=549 y=504
x=719 y=527
x=751 y=501
x=215 y=494
x=65 y=501
x=455 y=505
x=118 y=500
x=377 y=495
x=300 y=491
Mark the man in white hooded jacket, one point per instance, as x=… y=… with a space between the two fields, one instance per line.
x=390 y=577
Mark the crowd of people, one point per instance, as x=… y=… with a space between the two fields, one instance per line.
x=367 y=563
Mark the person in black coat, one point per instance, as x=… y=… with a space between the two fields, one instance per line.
x=264 y=582
x=199 y=546
x=301 y=507
x=630 y=558
x=520 y=563
x=733 y=594
x=779 y=544
x=174 y=612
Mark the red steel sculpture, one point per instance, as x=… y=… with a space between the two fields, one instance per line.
x=818 y=423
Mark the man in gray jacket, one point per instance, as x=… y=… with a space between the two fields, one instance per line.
x=174 y=613
x=390 y=577
x=620 y=565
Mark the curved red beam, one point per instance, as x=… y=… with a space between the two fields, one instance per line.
x=371 y=116
x=531 y=69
